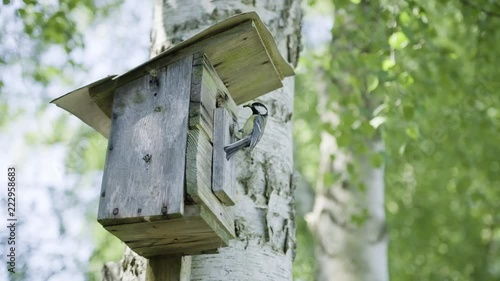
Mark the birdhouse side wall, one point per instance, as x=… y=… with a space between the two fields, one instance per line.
x=206 y=90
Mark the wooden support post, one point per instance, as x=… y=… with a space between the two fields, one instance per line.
x=171 y=268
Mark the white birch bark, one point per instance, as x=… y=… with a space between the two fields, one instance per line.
x=265 y=224
x=346 y=251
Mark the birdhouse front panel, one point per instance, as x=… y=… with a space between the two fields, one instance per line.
x=146 y=155
x=157 y=191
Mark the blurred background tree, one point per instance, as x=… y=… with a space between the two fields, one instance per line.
x=431 y=67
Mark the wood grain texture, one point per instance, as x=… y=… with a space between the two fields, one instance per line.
x=203 y=97
x=81 y=104
x=105 y=102
x=200 y=119
x=198 y=232
x=241 y=49
x=144 y=173
x=171 y=268
x=199 y=179
x=238 y=55
x=223 y=176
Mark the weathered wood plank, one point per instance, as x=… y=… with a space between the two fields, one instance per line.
x=242 y=39
x=222 y=96
x=207 y=93
x=105 y=102
x=178 y=89
x=241 y=49
x=200 y=119
x=199 y=178
x=223 y=177
x=197 y=232
x=81 y=104
x=204 y=91
x=171 y=268
x=144 y=173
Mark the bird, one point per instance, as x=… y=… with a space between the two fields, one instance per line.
x=252 y=130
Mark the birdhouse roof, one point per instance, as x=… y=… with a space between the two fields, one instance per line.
x=241 y=49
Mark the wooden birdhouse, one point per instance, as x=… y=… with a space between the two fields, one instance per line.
x=167 y=186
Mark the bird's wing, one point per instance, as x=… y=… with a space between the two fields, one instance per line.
x=258 y=131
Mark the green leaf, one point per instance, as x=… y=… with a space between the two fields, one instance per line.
x=398 y=40
x=388 y=64
x=328 y=179
x=367 y=129
x=408 y=111
x=402 y=149
x=360 y=218
x=372 y=82
x=404 y=18
x=351 y=169
x=377 y=159
x=412 y=132
x=377 y=121
x=22 y=13
x=327 y=127
x=343 y=140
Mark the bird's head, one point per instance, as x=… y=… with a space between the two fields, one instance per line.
x=257 y=108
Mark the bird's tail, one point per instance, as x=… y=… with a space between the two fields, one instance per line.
x=236 y=146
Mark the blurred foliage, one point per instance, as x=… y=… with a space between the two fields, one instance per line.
x=425 y=75
x=304 y=265
x=108 y=248
x=41 y=38
x=31 y=28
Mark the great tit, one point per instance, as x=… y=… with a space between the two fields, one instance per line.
x=252 y=130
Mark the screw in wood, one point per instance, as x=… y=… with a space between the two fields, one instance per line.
x=147 y=158
x=139 y=210
x=164 y=210
x=115 y=211
x=103 y=194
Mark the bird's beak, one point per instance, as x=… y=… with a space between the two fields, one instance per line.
x=247 y=105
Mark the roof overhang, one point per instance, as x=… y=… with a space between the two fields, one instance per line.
x=241 y=49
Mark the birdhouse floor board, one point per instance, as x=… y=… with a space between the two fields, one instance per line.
x=196 y=233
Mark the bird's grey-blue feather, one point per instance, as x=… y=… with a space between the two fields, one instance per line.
x=236 y=146
x=258 y=130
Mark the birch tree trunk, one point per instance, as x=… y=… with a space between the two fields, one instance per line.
x=348 y=218
x=349 y=224
x=265 y=224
